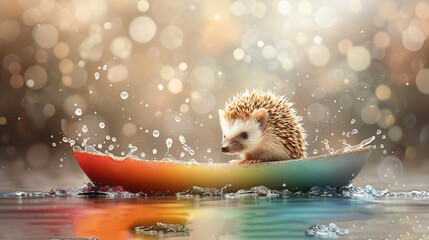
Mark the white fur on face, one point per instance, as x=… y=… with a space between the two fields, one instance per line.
x=232 y=131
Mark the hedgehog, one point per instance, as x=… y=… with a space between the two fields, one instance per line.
x=261 y=127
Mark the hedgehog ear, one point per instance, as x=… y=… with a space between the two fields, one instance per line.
x=261 y=115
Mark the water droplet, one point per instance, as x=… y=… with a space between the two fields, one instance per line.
x=160 y=87
x=187 y=100
x=84 y=128
x=182 y=154
x=284 y=184
x=78 y=111
x=385 y=175
x=353 y=121
x=378 y=132
x=99 y=145
x=54 y=144
x=143 y=154
x=209 y=150
x=101 y=125
x=155 y=133
x=154 y=151
x=61 y=159
x=104 y=67
x=169 y=142
x=315 y=151
x=210 y=160
x=354 y=131
x=111 y=147
x=182 y=139
x=331 y=151
x=383 y=137
x=124 y=95
x=96 y=75
x=61 y=165
x=177 y=118
x=113 y=139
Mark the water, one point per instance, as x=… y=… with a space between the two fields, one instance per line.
x=199 y=213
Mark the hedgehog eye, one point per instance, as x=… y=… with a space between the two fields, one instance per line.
x=244 y=135
x=223 y=136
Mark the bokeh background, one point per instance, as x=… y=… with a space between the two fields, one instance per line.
x=123 y=74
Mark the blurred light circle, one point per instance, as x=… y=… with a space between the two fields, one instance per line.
x=383 y=92
x=45 y=35
x=37 y=155
x=61 y=50
x=424 y=136
x=78 y=77
x=167 y=72
x=183 y=66
x=16 y=81
x=316 y=112
x=171 y=37
x=287 y=64
x=41 y=56
x=9 y=59
x=129 y=129
x=49 y=110
x=422 y=10
x=390 y=168
x=355 y=6
x=143 y=6
x=184 y=108
x=66 y=66
x=358 y=58
x=202 y=101
x=319 y=55
x=284 y=7
x=413 y=38
x=387 y=118
x=305 y=7
x=269 y=52
x=9 y=30
x=202 y=77
x=89 y=10
x=238 y=54
x=422 y=80
x=175 y=86
x=326 y=17
x=121 y=47
x=117 y=73
x=370 y=114
x=142 y=29
x=410 y=121
x=14 y=68
x=382 y=40
x=237 y=8
x=395 y=133
x=36 y=77
x=344 y=46
x=3 y=121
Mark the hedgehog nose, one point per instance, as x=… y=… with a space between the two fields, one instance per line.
x=225 y=149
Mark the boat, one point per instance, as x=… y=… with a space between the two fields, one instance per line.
x=172 y=176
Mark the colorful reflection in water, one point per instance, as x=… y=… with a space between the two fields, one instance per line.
x=213 y=218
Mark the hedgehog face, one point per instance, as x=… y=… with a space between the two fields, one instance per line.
x=243 y=135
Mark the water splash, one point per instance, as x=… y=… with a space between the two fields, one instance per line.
x=326 y=231
x=258 y=191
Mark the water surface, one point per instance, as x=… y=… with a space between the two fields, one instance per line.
x=368 y=217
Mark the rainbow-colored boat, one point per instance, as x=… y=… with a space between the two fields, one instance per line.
x=151 y=176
